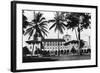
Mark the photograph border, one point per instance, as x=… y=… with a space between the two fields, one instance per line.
x=13 y=34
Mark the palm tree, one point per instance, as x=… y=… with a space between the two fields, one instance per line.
x=58 y=23
x=78 y=20
x=37 y=27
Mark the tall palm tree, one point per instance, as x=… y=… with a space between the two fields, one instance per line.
x=58 y=23
x=78 y=20
x=37 y=27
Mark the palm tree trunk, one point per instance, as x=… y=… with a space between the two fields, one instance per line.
x=58 y=45
x=76 y=34
x=33 y=52
x=89 y=42
x=79 y=39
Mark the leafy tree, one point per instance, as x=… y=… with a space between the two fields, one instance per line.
x=25 y=22
x=26 y=51
x=78 y=21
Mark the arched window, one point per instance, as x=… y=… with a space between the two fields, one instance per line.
x=47 y=43
x=55 y=44
x=43 y=43
x=60 y=43
x=52 y=43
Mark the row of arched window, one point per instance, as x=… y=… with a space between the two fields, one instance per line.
x=56 y=47
x=52 y=43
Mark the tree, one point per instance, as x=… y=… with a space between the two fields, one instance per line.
x=37 y=27
x=25 y=51
x=58 y=23
x=25 y=22
x=78 y=21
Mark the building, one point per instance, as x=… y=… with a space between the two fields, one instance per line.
x=53 y=44
x=49 y=44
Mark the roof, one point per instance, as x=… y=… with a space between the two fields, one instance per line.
x=53 y=40
x=67 y=35
x=45 y=40
x=33 y=41
x=75 y=42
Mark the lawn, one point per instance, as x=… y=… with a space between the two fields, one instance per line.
x=55 y=58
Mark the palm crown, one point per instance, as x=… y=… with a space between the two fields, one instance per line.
x=37 y=26
x=74 y=19
x=58 y=23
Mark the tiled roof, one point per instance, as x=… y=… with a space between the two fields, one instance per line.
x=67 y=35
x=46 y=40
x=53 y=40
x=33 y=41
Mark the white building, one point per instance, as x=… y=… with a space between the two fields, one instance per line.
x=53 y=44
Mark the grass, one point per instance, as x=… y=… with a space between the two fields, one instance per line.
x=55 y=58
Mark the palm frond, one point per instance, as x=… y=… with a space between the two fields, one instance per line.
x=52 y=26
x=43 y=18
x=44 y=32
x=24 y=17
x=25 y=24
x=56 y=28
x=64 y=24
x=60 y=29
x=30 y=34
x=43 y=27
x=51 y=21
x=63 y=27
x=34 y=21
x=28 y=30
x=43 y=23
x=38 y=16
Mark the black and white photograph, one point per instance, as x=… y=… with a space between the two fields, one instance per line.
x=56 y=36
x=47 y=36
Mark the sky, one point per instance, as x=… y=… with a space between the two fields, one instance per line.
x=53 y=35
